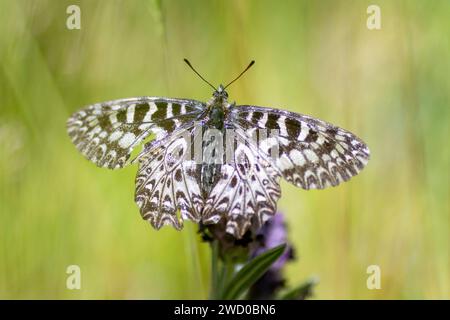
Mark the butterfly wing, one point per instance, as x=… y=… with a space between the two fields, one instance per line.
x=169 y=180
x=107 y=132
x=313 y=154
x=247 y=191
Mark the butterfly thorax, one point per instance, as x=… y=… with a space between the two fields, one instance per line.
x=216 y=115
x=217 y=108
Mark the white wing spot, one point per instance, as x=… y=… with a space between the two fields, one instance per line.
x=97 y=109
x=311 y=155
x=297 y=157
x=282 y=125
x=115 y=135
x=326 y=158
x=169 y=110
x=339 y=148
x=320 y=140
x=130 y=113
x=303 y=133
x=127 y=140
x=284 y=162
x=113 y=118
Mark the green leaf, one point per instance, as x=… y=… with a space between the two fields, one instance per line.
x=303 y=291
x=251 y=272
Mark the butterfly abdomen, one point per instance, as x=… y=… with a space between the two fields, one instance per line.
x=212 y=148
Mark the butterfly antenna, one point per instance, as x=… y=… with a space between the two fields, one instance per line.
x=248 y=67
x=190 y=66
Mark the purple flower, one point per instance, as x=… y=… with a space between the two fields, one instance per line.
x=272 y=234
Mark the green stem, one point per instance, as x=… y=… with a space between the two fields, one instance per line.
x=221 y=272
x=215 y=288
x=228 y=269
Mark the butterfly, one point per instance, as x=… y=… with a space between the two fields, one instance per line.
x=179 y=179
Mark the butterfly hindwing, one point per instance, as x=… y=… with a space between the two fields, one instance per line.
x=245 y=194
x=312 y=154
x=168 y=180
x=106 y=133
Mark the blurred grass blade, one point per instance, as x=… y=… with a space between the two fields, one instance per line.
x=303 y=291
x=251 y=272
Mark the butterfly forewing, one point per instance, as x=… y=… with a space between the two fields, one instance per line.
x=106 y=133
x=313 y=154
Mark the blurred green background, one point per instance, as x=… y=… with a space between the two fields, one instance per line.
x=389 y=86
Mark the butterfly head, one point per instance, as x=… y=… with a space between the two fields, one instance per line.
x=220 y=94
